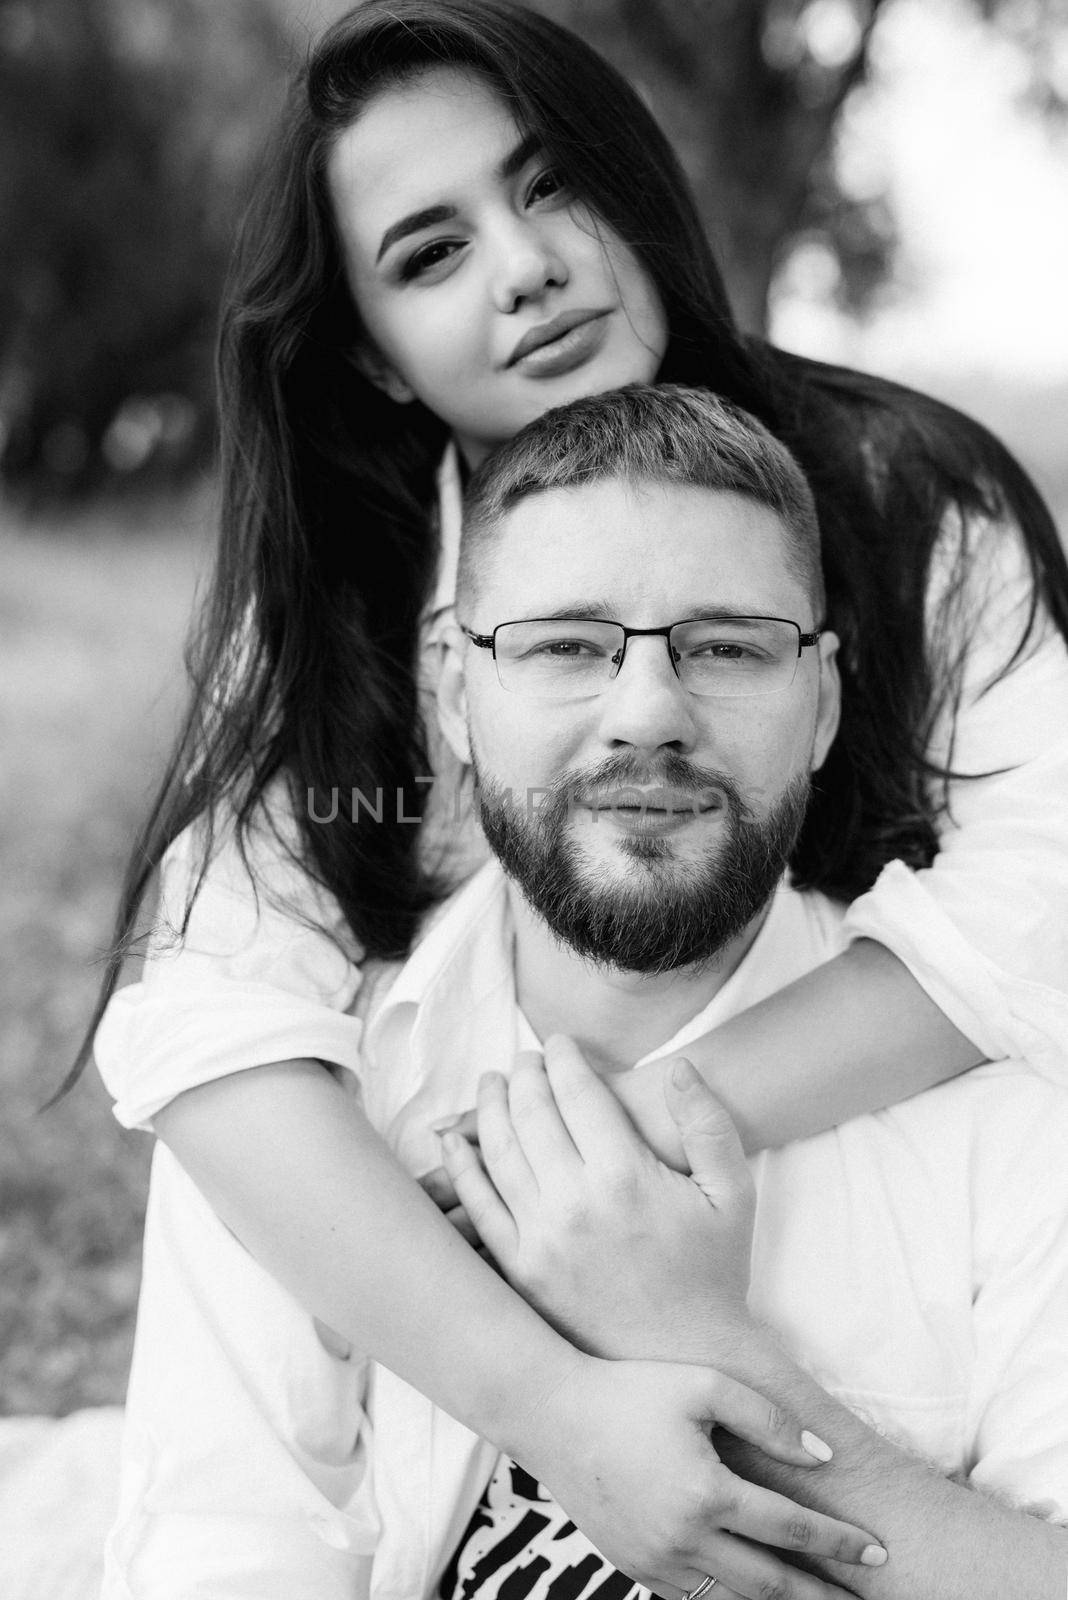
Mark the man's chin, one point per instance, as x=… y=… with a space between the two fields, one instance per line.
x=613 y=853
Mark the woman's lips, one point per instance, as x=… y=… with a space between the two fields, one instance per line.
x=545 y=353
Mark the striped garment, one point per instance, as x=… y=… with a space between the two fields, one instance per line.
x=520 y=1545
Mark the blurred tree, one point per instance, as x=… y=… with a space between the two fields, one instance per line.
x=751 y=93
x=126 y=127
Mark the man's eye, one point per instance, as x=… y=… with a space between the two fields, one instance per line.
x=726 y=650
x=565 y=649
x=427 y=257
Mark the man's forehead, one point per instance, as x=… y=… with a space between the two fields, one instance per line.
x=615 y=543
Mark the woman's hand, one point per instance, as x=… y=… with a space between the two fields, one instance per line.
x=623 y=1253
x=625 y=1448
x=625 y=1256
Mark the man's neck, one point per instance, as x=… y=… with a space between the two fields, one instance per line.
x=615 y=1017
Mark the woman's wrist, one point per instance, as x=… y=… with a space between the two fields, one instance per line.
x=535 y=1418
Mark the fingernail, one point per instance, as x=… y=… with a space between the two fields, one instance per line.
x=451 y=1142
x=817 y=1448
x=683 y=1074
x=445 y=1123
x=873 y=1555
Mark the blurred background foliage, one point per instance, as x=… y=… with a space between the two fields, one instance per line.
x=129 y=127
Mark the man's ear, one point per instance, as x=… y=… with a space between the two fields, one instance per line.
x=452 y=694
x=829 y=709
x=373 y=365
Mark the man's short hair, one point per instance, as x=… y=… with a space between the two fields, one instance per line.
x=645 y=433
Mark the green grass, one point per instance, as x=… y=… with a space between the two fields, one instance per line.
x=92 y=614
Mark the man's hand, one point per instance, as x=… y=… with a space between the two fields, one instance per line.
x=645 y=1095
x=619 y=1251
x=622 y=1254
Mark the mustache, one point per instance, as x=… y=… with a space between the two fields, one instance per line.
x=669 y=771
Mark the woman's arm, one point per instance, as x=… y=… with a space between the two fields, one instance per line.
x=290 y=1165
x=962 y=962
x=630 y=1257
x=858 y=1032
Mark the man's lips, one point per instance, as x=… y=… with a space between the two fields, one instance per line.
x=548 y=332
x=633 y=798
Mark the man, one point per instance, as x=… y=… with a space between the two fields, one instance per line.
x=644 y=690
x=632 y=776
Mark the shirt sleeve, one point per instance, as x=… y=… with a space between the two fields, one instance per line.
x=984 y=929
x=1019 y=1397
x=264 y=971
x=245 y=1451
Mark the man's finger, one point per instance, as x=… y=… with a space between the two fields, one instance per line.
x=438 y=1185
x=465 y=1122
x=458 y=1218
x=709 y=1137
x=596 y=1122
x=487 y=1215
x=502 y=1153
x=538 y=1124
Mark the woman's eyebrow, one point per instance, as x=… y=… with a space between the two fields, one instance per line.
x=415 y=222
x=430 y=216
x=517 y=159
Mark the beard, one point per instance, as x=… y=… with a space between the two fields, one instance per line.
x=664 y=916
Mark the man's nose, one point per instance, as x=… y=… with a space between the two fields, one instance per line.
x=526 y=264
x=645 y=705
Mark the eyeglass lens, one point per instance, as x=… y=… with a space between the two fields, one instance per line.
x=724 y=656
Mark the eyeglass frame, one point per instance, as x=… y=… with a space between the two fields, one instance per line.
x=488 y=641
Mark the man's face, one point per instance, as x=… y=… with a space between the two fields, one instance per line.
x=647 y=824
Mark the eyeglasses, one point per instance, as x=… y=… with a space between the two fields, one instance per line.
x=553 y=658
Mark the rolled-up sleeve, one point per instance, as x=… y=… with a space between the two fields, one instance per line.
x=244 y=1463
x=984 y=929
x=263 y=971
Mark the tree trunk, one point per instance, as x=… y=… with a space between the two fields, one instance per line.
x=749 y=112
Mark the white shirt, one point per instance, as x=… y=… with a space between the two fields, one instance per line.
x=984 y=930
x=915 y=1260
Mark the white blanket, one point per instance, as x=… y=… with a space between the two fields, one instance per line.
x=58 y=1492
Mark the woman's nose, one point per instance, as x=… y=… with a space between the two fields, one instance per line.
x=645 y=704
x=527 y=264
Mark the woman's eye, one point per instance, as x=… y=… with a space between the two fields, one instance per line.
x=427 y=257
x=545 y=186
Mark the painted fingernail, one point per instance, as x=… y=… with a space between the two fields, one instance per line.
x=445 y=1124
x=817 y=1448
x=873 y=1555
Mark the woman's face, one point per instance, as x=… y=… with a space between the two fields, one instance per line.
x=487 y=292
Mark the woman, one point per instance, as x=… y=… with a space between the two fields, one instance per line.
x=382 y=293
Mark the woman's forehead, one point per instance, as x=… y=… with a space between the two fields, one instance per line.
x=417 y=143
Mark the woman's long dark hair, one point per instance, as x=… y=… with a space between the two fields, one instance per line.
x=303 y=662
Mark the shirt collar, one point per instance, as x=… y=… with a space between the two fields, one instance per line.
x=464 y=947
x=465 y=956
x=781 y=952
